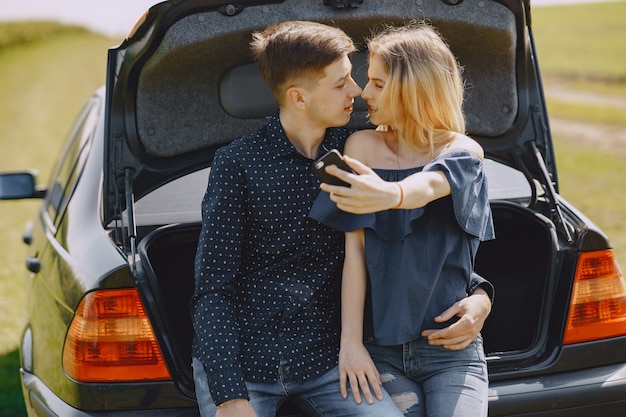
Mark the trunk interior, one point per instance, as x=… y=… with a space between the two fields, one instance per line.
x=517 y=263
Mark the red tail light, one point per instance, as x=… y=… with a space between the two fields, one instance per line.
x=598 y=304
x=111 y=339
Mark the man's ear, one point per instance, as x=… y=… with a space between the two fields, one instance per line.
x=296 y=97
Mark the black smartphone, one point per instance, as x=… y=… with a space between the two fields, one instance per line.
x=332 y=157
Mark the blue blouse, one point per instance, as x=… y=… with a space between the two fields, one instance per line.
x=419 y=261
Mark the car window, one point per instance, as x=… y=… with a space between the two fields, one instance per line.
x=73 y=158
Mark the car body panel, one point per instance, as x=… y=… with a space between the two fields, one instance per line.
x=569 y=394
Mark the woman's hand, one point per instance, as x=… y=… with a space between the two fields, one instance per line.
x=368 y=192
x=357 y=367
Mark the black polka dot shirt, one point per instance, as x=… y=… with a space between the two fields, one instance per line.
x=267 y=288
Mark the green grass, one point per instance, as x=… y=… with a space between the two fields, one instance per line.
x=593 y=181
x=582 y=48
x=47 y=71
x=588 y=112
x=43 y=84
x=11 y=402
x=582 y=43
x=14 y=34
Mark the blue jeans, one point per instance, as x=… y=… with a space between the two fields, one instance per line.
x=317 y=397
x=431 y=381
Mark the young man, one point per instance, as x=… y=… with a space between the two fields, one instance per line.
x=266 y=304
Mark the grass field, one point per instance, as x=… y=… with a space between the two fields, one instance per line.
x=582 y=48
x=583 y=45
x=47 y=70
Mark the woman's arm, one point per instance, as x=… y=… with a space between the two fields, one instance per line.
x=355 y=365
x=369 y=193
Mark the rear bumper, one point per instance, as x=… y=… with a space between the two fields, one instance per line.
x=40 y=401
x=598 y=391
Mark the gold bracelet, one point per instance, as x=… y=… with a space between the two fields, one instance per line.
x=220 y=405
x=401 y=196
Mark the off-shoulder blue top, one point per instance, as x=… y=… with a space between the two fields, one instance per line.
x=419 y=261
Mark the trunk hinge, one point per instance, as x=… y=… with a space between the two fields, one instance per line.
x=556 y=213
x=131 y=228
x=541 y=130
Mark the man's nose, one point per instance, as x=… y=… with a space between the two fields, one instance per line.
x=364 y=93
x=356 y=90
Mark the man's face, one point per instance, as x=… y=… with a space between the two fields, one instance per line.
x=331 y=98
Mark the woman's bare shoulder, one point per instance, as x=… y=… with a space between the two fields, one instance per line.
x=365 y=135
x=363 y=143
x=465 y=142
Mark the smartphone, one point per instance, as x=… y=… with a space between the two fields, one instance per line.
x=332 y=157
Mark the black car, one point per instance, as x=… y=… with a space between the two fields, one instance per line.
x=111 y=250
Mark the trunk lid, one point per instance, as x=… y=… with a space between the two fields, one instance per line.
x=183 y=83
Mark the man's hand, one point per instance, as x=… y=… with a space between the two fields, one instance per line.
x=236 y=408
x=473 y=311
x=357 y=367
x=368 y=192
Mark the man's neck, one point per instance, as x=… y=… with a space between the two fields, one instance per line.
x=304 y=135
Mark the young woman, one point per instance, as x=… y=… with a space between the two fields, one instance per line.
x=418 y=260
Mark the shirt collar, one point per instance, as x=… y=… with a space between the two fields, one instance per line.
x=283 y=146
x=277 y=137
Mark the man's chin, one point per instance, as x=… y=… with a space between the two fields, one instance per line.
x=342 y=121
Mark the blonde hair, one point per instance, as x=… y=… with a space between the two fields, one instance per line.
x=424 y=83
x=297 y=51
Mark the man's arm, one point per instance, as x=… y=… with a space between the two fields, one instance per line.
x=236 y=408
x=472 y=310
x=216 y=265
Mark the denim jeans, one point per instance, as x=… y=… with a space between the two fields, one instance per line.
x=317 y=397
x=431 y=381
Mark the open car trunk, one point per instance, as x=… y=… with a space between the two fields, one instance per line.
x=517 y=262
x=183 y=85
x=185 y=82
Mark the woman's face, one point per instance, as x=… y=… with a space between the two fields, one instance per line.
x=377 y=77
